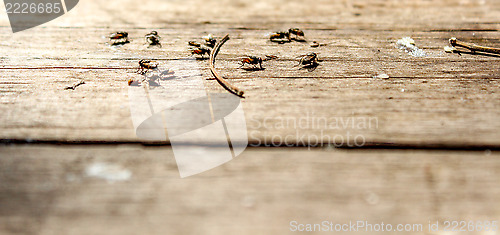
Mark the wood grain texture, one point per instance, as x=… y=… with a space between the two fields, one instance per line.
x=440 y=99
x=46 y=190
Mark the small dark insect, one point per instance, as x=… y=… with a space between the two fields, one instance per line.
x=119 y=38
x=280 y=37
x=210 y=41
x=296 y=31
x=309 y=61
x=194 y=44
x=146 y=65
x=118 y=35
x=201 y=51
x=253 y=60
x=153 y=39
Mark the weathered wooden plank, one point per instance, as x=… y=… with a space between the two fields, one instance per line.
x=437 y=101
x=46 y=190
x=406 y=110
x=440 y=99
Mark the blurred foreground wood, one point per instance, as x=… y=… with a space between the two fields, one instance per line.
x=48 y=190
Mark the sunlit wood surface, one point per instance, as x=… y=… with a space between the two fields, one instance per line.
x=438 y=101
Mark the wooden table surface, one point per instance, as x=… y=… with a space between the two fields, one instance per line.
x=440 y=101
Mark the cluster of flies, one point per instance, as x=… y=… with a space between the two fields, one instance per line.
x=208 y=44
x=293 y=34
x=307 y=61
x=121 y=38
x=151 y=39
x=201 y=49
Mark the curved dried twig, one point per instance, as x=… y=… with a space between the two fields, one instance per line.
x=234 y=90
x=473 y=47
